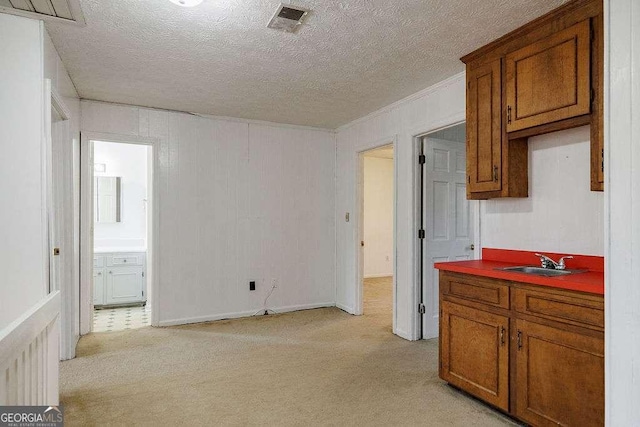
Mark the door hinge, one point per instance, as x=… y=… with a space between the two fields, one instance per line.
x=421 y=234
x=519 y=340
x=602 y=160
x=469 y=179
x=421 y=308
x=422 y=159
x=509 y=114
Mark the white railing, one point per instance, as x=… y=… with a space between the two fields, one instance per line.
x=29 y=356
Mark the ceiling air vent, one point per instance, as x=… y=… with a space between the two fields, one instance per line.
x=287 y=18
x=48 y=10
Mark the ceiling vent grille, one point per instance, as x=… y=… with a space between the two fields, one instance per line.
x=287 y=18
x=48 y=10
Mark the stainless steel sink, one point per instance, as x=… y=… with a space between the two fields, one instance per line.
x=539 y=271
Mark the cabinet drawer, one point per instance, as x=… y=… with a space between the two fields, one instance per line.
x=560 y=307
x=98 y=261
x=473 y=288
x=127 y=259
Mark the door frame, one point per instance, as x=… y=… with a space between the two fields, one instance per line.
x=51 y=216
x=359 y=219
x=416 y=139
x=86 y=222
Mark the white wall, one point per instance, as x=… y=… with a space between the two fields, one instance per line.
x=557 y=161
x=22 y=257
x=239 y=201
x=561 y=214
x=129 y=162
x=622 y=186
x=378 y=217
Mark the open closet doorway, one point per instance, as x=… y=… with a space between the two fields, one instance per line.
x=377 y=202
x=120 y=209
x=446 y=216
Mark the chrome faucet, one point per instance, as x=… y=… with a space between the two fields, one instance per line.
x=547 y=262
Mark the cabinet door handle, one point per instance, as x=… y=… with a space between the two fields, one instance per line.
x=519 y=340
x=495 y=173
x=100 y=274
x=502 y=335
x=509 y=114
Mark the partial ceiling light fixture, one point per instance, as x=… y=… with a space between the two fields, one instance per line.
x=287 y=18
x=186 y=3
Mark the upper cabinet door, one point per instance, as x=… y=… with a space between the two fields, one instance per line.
x=484 y=130
x=549 y=80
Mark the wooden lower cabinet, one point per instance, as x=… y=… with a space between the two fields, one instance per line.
x=475 y=352
x=559 y=376
x=538 y=356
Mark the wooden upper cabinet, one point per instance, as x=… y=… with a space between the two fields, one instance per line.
x=545 y=76
x=550 y=80
x=474 y=352
x=484 y=130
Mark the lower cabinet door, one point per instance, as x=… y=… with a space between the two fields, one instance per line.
x=124 y=285
x=474 y=352
x=553 y=387
x=98 y=286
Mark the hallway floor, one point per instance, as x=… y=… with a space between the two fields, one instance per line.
x=313 y=367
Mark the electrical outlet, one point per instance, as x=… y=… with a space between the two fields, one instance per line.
x=252 y=286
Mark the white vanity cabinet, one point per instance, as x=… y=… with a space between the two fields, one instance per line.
x=119 y=278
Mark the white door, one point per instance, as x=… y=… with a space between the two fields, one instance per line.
x=447 y=220
x=124 y=285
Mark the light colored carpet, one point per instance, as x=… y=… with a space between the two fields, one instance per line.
x=315 y=367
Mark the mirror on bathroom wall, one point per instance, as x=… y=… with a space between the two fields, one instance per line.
x=106 y=199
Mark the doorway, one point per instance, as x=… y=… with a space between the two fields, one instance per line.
x=62 y=216
x=446 y=219
x=118 y=212
x=377 y=187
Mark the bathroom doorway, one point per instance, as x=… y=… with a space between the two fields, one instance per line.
x=120 y=212
x=118 y=206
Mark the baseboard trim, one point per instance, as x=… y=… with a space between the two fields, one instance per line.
x=343 y=307
x=240 y=314
x=403 y=334
x=377 y=276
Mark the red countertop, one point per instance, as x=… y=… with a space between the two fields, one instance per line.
x=591 y=281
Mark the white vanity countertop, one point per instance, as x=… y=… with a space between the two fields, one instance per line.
x=131 y=249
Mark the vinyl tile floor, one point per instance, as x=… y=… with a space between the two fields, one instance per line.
x=121 y=318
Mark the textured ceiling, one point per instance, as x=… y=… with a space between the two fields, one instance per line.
x=351 y=57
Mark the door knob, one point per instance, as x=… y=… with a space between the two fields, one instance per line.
x=472 y=247
x=362 y=243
